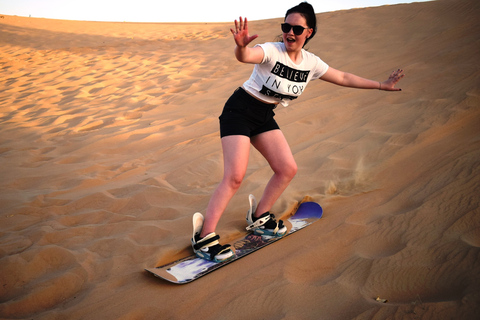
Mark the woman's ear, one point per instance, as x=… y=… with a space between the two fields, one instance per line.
x=310 y=32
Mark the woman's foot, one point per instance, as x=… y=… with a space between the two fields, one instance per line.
x=265 y=225
x=208 y=247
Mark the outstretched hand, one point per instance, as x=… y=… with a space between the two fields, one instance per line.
x=240 y=34
x=389 y=85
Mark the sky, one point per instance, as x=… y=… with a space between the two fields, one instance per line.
x=172 y=10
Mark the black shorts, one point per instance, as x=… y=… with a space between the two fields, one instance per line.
x=244 y=115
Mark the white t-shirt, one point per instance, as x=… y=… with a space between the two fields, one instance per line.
x=277 y=79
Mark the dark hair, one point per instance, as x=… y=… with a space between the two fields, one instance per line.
x=306 y=10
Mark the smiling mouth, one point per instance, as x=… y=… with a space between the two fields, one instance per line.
x=290 y=40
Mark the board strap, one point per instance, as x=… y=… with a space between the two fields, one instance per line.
x=260 y=222
x=206 y=241
x=216 y=250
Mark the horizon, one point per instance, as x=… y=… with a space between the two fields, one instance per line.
x=154 y=12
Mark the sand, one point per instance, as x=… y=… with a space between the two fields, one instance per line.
x=109 y=143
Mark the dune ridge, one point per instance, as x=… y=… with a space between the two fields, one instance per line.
x=109 y=143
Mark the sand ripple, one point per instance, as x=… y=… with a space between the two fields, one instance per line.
x=109 y=142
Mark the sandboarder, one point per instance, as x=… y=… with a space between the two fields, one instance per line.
x=282 y=71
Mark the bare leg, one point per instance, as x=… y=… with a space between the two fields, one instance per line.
x=274 y=147
x=236 y=150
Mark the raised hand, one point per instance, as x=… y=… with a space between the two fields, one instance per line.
x=389 y=85
x=240 y=34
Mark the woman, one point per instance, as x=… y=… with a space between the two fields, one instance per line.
x=282 y=71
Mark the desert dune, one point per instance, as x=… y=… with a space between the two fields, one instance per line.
x=109 y=143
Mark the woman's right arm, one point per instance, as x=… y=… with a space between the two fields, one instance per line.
x=243 y=53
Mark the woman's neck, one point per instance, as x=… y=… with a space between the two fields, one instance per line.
x=295 y=56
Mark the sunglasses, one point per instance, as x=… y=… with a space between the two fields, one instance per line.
x=297 y=30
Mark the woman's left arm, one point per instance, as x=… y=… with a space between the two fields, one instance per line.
x=350 y=80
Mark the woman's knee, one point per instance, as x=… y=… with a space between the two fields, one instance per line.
x=291 y=170
x=233 y=181
x=288 y=170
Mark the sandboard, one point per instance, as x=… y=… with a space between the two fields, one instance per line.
x=191 y=268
